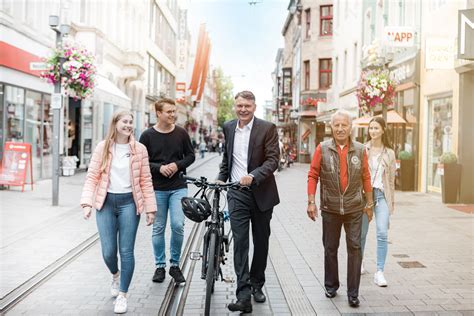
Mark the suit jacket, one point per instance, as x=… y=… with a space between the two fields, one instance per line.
x=263 y=157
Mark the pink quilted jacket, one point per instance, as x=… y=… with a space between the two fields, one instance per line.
x=95 y=187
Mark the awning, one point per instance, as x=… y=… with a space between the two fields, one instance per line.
x=392 y=118
x=306 y=134
x=107 y=91
x=313 y=113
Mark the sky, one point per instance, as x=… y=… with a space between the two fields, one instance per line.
x=245 y=39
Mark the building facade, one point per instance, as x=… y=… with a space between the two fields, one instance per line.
x=446 y=96
x=136 y=63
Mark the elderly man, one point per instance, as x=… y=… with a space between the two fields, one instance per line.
x=341 y=165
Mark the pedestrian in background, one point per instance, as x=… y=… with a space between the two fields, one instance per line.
x=342 y=168
x=251 y=155
x=202 y=148
x=382 y=169
x=170 y=151
x=119 y=186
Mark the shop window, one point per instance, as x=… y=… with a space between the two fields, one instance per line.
x=325 y=20
x=307 y=14
x=440 y=138
x=47 y=135
x=15 y=108
x=325 y=73
x=33 y=129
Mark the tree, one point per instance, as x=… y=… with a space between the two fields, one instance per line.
x=225 y=98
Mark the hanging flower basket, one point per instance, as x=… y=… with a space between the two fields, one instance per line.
x=375 y=87
x=78 y=73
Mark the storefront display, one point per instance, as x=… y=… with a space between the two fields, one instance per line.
x=440 y=138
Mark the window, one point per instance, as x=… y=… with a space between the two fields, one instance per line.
x=344 y=70
x=326 y=20
x=325 y=73
x=306 y=75
x=355 y=62
x=307 y=14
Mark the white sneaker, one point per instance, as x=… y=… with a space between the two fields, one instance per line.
x=362 y=269
x=379 y=279
x=114 y=287
x=120 y=305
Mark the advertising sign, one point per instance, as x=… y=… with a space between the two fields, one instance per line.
x=399 y=36
x=466 y=34
x=439 y=53
x=15 y=163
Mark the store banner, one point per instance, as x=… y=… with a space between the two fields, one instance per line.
x=15 y=163
x=466 y=34
x=439 y=53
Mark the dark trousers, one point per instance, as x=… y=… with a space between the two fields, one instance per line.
x=332 y=224
x=243 y=210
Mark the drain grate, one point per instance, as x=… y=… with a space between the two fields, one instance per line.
x=411 y=264
x=402 y=255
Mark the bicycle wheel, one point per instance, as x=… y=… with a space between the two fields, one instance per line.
x=211 y=265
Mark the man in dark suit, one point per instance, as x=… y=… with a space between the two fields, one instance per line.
x=251 y=155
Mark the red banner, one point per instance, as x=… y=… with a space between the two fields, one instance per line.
x=15 y=163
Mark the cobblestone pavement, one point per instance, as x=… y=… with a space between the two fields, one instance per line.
x=422 y=231
x=83 y=286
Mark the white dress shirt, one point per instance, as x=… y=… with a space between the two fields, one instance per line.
x=240 y=151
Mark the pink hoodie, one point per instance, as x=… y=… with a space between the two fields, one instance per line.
x=95 y=187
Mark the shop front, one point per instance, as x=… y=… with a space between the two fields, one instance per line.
x=405 y=70
x=440 y=137
x=28 y=118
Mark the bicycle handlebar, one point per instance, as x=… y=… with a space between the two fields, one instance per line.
x=202 y=182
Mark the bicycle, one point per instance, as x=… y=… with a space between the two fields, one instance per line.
x=216 y=241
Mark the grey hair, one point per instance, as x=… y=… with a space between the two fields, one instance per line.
x=341 y=112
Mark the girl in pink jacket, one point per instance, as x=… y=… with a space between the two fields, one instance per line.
x=119 y=186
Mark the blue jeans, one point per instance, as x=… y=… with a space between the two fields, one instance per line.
x=382 y=218
x=168 y=200
x=118 y=218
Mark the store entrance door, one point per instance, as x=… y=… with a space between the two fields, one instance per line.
x=74 y=129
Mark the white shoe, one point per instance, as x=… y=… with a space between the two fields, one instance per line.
x=114 y=287
x=362 y=269
x=379 y=279
x=120 y=305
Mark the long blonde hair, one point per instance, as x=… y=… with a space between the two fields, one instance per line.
x=111 y=135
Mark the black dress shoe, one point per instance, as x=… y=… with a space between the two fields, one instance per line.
x=240 y=306
x=353 y=301
x=258 y=295
x=331 y=294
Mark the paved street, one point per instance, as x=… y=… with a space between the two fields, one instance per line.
x=422 y=231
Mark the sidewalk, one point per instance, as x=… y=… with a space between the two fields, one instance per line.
x=35 y=234
x=423 y=232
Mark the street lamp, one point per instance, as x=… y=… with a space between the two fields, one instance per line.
x=56 y=103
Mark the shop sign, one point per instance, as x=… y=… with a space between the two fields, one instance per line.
x=404 y=71
x=399 y=36
x=39 y=66
x=16 y=157
x=286 y=82
x=439 y=53
x=466 y=34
